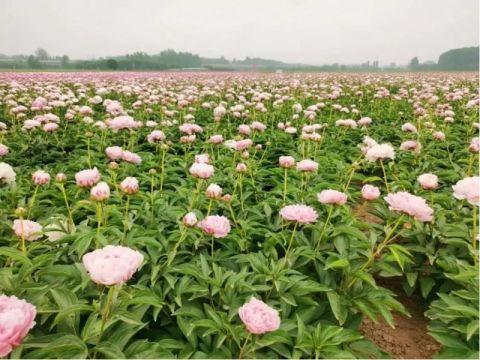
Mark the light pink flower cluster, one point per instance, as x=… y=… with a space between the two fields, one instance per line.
x=87 y=178
x=258 y=317
x=190 y=129
x=332 y=197
x=3 y=150
x=114 y=152
x=215 y=225
x=201 y=170
x=216 y=139
x=302 y=214
x=468 y=189
x=409 y=204
x=16 y=319
x=428 y=181
x=112 y=265
x=370 y=192
x=129 y=185
x=28 y=229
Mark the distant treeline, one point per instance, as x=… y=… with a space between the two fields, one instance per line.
x=456 y=59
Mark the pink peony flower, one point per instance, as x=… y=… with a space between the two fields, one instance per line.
x=190 y=219
x=114 y=152
x=30 y=230
x=112 y=265
x=428 y=181
x=409 y=127
x=243 y=144
x=244 y=129
x=215 y=225
x=410 y=204
x=365 y=121
x=412 y=145
x=155 y=136
x=87 y=178
x=201 y=170
x=438 y=135
x=216 y=139
x=3 y=150
x=286 y=161
x=380 y=152
x=50 y=127
x=241 y=168
x=370 y=192
x=131 y=157
x=300 y=213
x=307 y=165
x=332 y=197
x=122 y=122
x=202 y=158
x=213 y=191
x=469 y=189
x=16 y=319
x=100 y=192
x=129 y=185
x=40 y=177
x=258 y=317
x=474 y=146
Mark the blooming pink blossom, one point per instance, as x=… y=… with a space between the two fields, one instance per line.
x=370 y=192
x=201 y=170
x=244 y=129
x=114 y=152
x=202 y=158
x=380 y=152
x=412 y=145
x=131 y=157
x=50 y=127
x=303 y=214
x=3 y=150
x=122 y=122
x=216 y=139
x=129 y=185
x=469 y=189
x=29 y=230
x=428 y=181
x=87 y=178
x=215 y=225
x=16 y=319
x=112 y=265
x=155 y=136
x=409 y=127
x=474 y=145
x=365 y=121
x=438 y=135
x=307 y=165
x=243 y=144
x=40 y=177
x=258 y=317
x=286 y=161
x=332 y=197
x=100 y=192
x=410 y=204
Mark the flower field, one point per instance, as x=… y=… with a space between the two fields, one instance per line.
x=235 y=215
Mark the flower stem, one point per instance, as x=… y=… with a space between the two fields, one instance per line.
x=285 y=185
x=384 y=176
x=106 y=311
x=290 y=242
x=240 y=355
x=69 y=211
x=330 y=211
x=32 y=202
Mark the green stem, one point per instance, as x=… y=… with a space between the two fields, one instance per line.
x=240 y=355
x=285 y=185
x=125 y=225
x=32 y=202
x=69 y=211
x=384 y=176
x=290 y=242
x=474 y=238
x=106 y=311
x=173 y=253
x=162 y=175
x=330 y=211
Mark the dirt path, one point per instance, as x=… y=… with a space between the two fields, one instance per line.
x=409 y=339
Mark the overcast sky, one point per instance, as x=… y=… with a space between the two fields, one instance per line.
x=306 y=31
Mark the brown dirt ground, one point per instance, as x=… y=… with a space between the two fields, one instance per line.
x=409 y=339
